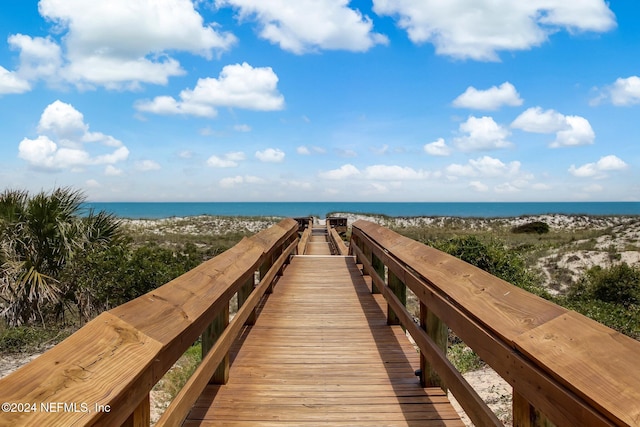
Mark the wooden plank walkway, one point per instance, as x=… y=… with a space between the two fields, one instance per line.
x=318 y=244
x=322 y=354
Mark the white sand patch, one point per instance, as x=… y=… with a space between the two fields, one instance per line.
x=493 y=390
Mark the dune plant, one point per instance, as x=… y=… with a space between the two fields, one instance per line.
x=39 y=236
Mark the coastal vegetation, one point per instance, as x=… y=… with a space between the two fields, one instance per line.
x=61 y=264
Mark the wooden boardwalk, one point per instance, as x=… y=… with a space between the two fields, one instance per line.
x=322 y=354
x=318 y=244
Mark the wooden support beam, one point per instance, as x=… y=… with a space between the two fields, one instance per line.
x=141 y=416
x=243 y=295
x=399 y=289
x=439 y=333
x=525 y=415
x=209 y=338
x=378 y=267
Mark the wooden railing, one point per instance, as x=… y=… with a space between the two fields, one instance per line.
x=339 y=248
x=102 y=374
x=565 y=369
x=304 y=238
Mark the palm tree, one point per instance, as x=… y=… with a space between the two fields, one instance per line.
x=39 y=236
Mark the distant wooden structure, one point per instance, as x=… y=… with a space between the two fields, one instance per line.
x=319 y=339
x=304 y=222
x=339 y=223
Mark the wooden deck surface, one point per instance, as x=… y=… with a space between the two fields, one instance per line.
x=322 y=354
x=318 y=244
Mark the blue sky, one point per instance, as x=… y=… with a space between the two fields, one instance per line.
x=322 y=100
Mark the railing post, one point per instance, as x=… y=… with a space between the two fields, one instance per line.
x=266 y=265
x=439 y=333
x=209 y=337
x=141 y=417
x=525 y=415
x=378 y=266
x=243 y=295
x=400 y=290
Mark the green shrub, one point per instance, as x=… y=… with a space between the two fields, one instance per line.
x=179 y=374
x=28 y=338
x=494 y=257
x=618 y=284
x=610 y=296
x=464 y=358
x=537 y=227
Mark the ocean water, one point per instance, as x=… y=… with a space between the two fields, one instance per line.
x=322 y=209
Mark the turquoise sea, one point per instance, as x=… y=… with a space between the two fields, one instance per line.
x=322 y=209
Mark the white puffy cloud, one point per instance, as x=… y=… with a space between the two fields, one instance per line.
x=387 y=173
x=238 y=86
x=486 y=166
x=228 y=160
x=479 y=186
x=579 y=132
x=63 y=141
x=479 y=29
x=343 y=172
x=393 y=173
x=147 y=165
x=239 y=179
x=11 y=83
x=598 y=169
x=569 y=130
x=482 y=133
x=111 y=170
x=270 y=155
x=437 y=148
x=489 y=99
x=117 y=44
x=308 y=25
x=536 y=120
x=306 y=151
x=506 y=187
x=40 y=57
x=623 y=92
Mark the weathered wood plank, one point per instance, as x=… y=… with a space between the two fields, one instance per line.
x=492 y=317
x=103 y=364
x=593 y=361
x=320 y=352
x=114 y=360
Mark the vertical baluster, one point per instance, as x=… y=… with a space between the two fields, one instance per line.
x=525 y=415
x=379 y=268
x=141 y=416
x=243 y=294
x=400 y=290
x=209 y=337
x=439 y=333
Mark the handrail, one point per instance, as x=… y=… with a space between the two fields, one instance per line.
x=304 y=239
x=563 y=366
x=103 y=373
x=336 y=241
x=179 y=408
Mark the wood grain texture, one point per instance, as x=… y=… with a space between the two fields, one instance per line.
x=117 y=358
x=321 y=353
x=573 y=375
x=593 y=361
